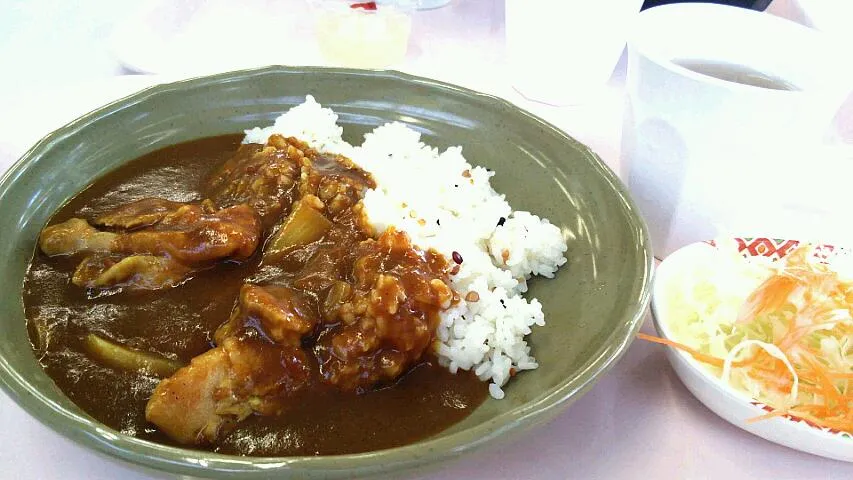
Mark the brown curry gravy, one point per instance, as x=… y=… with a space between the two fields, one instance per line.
x=179 y=323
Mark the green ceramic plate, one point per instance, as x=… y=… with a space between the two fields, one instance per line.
x=593 y=308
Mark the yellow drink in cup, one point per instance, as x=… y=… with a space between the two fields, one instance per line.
x=362 y=34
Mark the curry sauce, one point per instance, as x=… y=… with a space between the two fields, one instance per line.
x=341 y=365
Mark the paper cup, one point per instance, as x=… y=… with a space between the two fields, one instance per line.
x=696 y=149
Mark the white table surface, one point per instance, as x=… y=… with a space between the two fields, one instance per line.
x=638 y=421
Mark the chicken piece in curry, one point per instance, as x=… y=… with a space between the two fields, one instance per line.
x=245 y=308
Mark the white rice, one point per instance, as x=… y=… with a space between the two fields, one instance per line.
x=308 y=122
x=445 y=203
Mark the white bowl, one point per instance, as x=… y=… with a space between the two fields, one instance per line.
x=730 y=404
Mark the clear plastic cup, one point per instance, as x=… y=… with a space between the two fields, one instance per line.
x=362 y=34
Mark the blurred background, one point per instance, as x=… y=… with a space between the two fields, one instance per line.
x=756 y=5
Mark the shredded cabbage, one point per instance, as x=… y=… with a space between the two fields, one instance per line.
x=782 y=332
x=769 y=348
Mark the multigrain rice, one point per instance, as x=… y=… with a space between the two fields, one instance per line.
x=445 y=203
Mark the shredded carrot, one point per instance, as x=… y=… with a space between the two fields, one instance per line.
x=782 y=383
x=798 y=308
x=774 y=413
x=844 y=425
x=709 y=359
x=829 y=389
x=770 y=296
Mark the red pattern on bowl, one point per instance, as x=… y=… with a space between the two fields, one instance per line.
x=776 y=248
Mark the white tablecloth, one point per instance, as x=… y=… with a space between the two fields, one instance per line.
x=638 y=421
